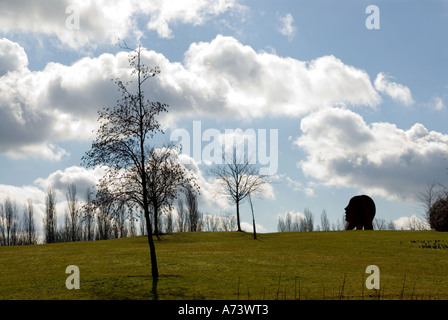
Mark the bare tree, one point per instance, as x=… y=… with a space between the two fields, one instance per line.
x=88 y=217
x=9 y=222
x=169 y=222
x=309 y=220
x=325 y=223
x=194 y=216
x=165 y=176
x=50 y=219
x=104 y=203
x=430 y=195
x=238 y=179
x=121 y=144
x=29 y=227
x=181 y=216
x=73 y=214
x=2 y=226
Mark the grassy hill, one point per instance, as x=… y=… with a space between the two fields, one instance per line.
x=231 y=265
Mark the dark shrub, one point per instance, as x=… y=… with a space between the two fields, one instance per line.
x=438 y=215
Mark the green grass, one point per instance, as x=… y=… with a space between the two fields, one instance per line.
x=232 y=265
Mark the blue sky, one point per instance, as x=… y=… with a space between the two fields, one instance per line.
x=357 y=110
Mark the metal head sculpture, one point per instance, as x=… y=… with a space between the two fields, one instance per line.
x=359 y=213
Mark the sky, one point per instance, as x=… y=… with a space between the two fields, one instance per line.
x=352 y=99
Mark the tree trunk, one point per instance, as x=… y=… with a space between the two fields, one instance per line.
x=152 y=248
x=253 y=217
x=238 y=215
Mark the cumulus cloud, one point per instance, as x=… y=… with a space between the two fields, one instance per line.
x=82 y=178
x=59 y=103
x=228 y=77
x=287 y=28
x=103 y=21
x=164 y=13
x=411 y=223
x=395 y=90
x=437 y=104
x=38 y=109
x=12 y=57
x=378 y=158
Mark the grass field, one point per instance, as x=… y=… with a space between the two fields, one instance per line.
x=232 y=265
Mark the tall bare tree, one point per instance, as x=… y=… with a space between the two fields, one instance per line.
x=50 y=218
x=194 y=215
x=122 y=144
x=325 y=223
x=73 y=214
x=238 y=178
x=29 y=226
x=9 y=222
x=88 y=217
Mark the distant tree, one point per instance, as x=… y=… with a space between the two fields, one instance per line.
x=73 y=214
x=104 y=202
x=309 y=220
x=429 y=196
x=391 y=225
x=9 y=222
x=379 y=224
x=166 y=176
x=181 y=216
x=227 y=221
x=325 y=223
x=29 y=227
x=169 y=222
x=2 y=226
x=50 y=218
x=194 y=216
x=211 y=223
x=238 y=179
x=88 y=216
x=438 y=215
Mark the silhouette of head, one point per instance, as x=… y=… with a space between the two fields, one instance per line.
x=359 y=213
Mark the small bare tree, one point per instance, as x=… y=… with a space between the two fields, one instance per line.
x=325 y=223
x=194 y=216
x=181 y=216
x=88 y=218
x=430 y=195
x=29 y=227
x=238 y=179
x=50 y=219
x=166 y=176
x=73 y=214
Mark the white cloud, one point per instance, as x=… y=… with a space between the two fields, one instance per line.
x=230 y=78
x=249 y=227
x=103 y=21
x=395 y=90
x=378 y=158
x=59 y=103
x=411 y=223
x=168 y=12
x=12 y=57
x=82 y=178
x=287 y=28
x=437 y=104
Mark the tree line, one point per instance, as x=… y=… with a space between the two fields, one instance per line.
x=294 y=222
x=83 y=221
